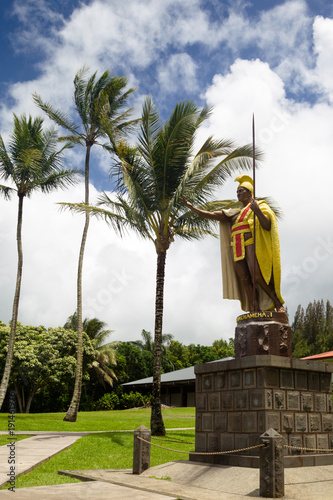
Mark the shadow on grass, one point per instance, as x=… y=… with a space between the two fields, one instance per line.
x=119 y=438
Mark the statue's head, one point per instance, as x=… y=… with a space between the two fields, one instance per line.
x=246 y=182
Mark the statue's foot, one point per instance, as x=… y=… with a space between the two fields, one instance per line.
x=281 y=310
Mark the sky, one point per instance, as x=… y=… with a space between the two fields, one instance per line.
x=271 y=59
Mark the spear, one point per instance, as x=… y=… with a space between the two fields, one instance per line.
x=254 y=215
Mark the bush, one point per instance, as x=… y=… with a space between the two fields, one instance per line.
x=107 y=402
x=86 y=403
x=134 y=400
x=123 y=401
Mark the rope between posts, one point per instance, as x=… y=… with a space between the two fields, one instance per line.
x=172 y=440
x=226 y=452
x=199 y=452
x=308 y=449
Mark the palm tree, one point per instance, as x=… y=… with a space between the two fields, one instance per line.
x=94 y=328
x=147 y=345
x=152 y=179
x=31 y=163
x=100 y=105
x=105 y=353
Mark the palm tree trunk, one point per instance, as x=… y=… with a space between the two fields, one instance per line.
x=73 y=409
x=156 y=420
x=10 y=352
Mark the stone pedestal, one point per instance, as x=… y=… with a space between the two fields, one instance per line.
x=238 y=400
x=264 y=332
x=141 y=450
x=271 y=465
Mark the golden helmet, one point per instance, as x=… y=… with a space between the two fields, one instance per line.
x=245 y=181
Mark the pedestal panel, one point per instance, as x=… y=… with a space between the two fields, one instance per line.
x=240 y=399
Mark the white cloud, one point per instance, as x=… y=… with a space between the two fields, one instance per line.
x=34 y=34
x=178 y=74
x=284 y=29
x=323 y=47
x=250 y=87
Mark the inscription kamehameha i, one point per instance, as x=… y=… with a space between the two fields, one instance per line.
x=255 y=315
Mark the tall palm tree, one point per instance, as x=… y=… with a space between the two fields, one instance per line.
x=31 y=163
x=152 y=179
x=100 y=106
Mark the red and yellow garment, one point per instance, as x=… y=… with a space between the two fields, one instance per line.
x=238 y=230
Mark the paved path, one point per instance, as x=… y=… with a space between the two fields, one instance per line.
x=29 y=452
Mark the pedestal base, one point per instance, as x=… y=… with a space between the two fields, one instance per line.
x=263 y=332
x=238 y=400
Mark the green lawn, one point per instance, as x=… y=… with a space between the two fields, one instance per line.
x=109 y=450
x=98 y=420
x=6 y=438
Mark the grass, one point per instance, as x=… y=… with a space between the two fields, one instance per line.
x=98 y=420
x=107 y=450
x=5 y=439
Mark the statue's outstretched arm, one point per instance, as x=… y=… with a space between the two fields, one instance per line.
x=204 y=213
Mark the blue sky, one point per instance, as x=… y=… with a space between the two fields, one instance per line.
x=273 y=59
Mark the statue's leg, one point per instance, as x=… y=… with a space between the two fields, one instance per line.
x=259 y=280
x=243 y=273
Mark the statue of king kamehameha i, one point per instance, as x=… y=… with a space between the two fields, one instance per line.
x=240 y=267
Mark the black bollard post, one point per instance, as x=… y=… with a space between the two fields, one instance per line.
x=271 y=465
x=141 y=450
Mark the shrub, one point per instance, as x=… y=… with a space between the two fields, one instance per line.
x=134 y=400
x=107 y=402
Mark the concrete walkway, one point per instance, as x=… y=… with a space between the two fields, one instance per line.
x=176 y=480
x=29 y=452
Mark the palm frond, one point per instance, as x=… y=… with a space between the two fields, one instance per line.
x=73 y=139
x=150 y=125
x=119 y=223
x=79 y=91
x=6 y=164
x=193 y=233
x=57 y=116
x=59 y=180
x=104 y=374
x=7 y=191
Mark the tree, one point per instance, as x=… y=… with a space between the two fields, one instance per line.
x=105 y=353
x=99 y=104
x=312 y=329
x=94 y=328
x=147 y=346
x=224 y=349
x=44 y=360
x=199 y=354
x=178 y=354
x=152 y=179
x=132 y=363
x=31 y=163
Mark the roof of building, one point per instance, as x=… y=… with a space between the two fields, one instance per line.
x=324 y=355
x=184 y=375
